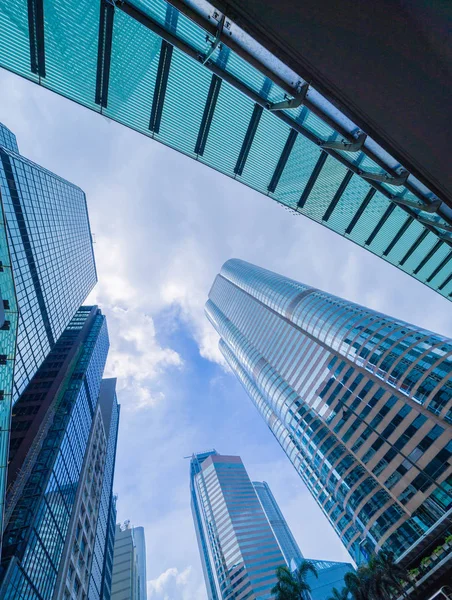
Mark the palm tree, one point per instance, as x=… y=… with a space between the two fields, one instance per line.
x=359 y=584
x=378 y=580
x=392 y=575
x=342 y=594
x=293 y=586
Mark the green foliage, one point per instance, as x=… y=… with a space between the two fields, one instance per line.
x=342 y=594
x=438 y=550
x=448 y=540
x=425 y=561
x=293 y=586
x=414 y=572
x=381 y=579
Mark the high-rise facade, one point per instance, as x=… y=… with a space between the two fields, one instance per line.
x=46 y=271
x=329 y=575
x=238 y=549
x=360 y=402
x=246 y=113
x=62 y=449
x=289 y=547
x=102 y=566
x=129 y=564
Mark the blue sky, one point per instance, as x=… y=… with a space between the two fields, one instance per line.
x=163 y=226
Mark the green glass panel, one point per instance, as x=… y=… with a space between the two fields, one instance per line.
x=350 y=201
x=71 y=42
x=441 y=276
x=249 y=75
x=370 y=217
x=434 y=262
x=423 y=249
x=154 y=8
x=271 y=136
x=388 y=231
x=370 y=166
x=447 y=290
x=188 y=86
x=329 y=179
x=132 y=74
x=188 y=31
x=224 y=141
x=405 y=242
x=14 y=40
x=317 y=126
x=296 y=173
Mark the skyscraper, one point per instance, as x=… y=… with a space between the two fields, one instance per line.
x=330 y=574
x=246 y=113
x=129 y=564
x=102 y=566
x=61 y=469
x=239 y=552
x=46 y=271
x=360 y=402
x=289 y=547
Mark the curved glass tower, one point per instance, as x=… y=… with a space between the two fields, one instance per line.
x=359 y=401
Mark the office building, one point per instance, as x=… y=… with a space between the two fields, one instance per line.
x=238 y=549
x=360 y=402
x=63 y=442
x=129 y=564
x=46 y=271
x=102 y=565
x=258 y=114
x=289 y=547
x=330 y=574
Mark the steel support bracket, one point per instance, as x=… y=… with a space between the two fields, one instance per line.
x=216 y=41
x=434 y=223
x=428 y=207
x=399 y=179
x=290 y=103
x=354 y=146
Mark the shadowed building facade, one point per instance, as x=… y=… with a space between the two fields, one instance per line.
x=360 y=402
x=246 y=113
x=47 y=270
x=59 y=500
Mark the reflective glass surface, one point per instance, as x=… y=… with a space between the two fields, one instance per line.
x=52 y=257
x=238 y=547
x=145 y=65
x=369 y=447
x=36 y=531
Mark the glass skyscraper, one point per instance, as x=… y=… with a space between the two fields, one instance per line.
x=330 y=574
x=46 y=270
x=289 y=547
x=62 y=448
x=51 y=251
x=360 y=402
x=244 y=113
x=239 y=551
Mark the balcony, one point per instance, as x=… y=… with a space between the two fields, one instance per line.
x=434 y=570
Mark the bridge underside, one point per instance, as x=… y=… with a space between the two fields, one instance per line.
x=193 y=80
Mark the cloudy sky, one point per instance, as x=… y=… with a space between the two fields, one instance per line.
x=163 y=226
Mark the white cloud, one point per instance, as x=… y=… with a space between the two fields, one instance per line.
x=136 y=358
x=173 y=584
